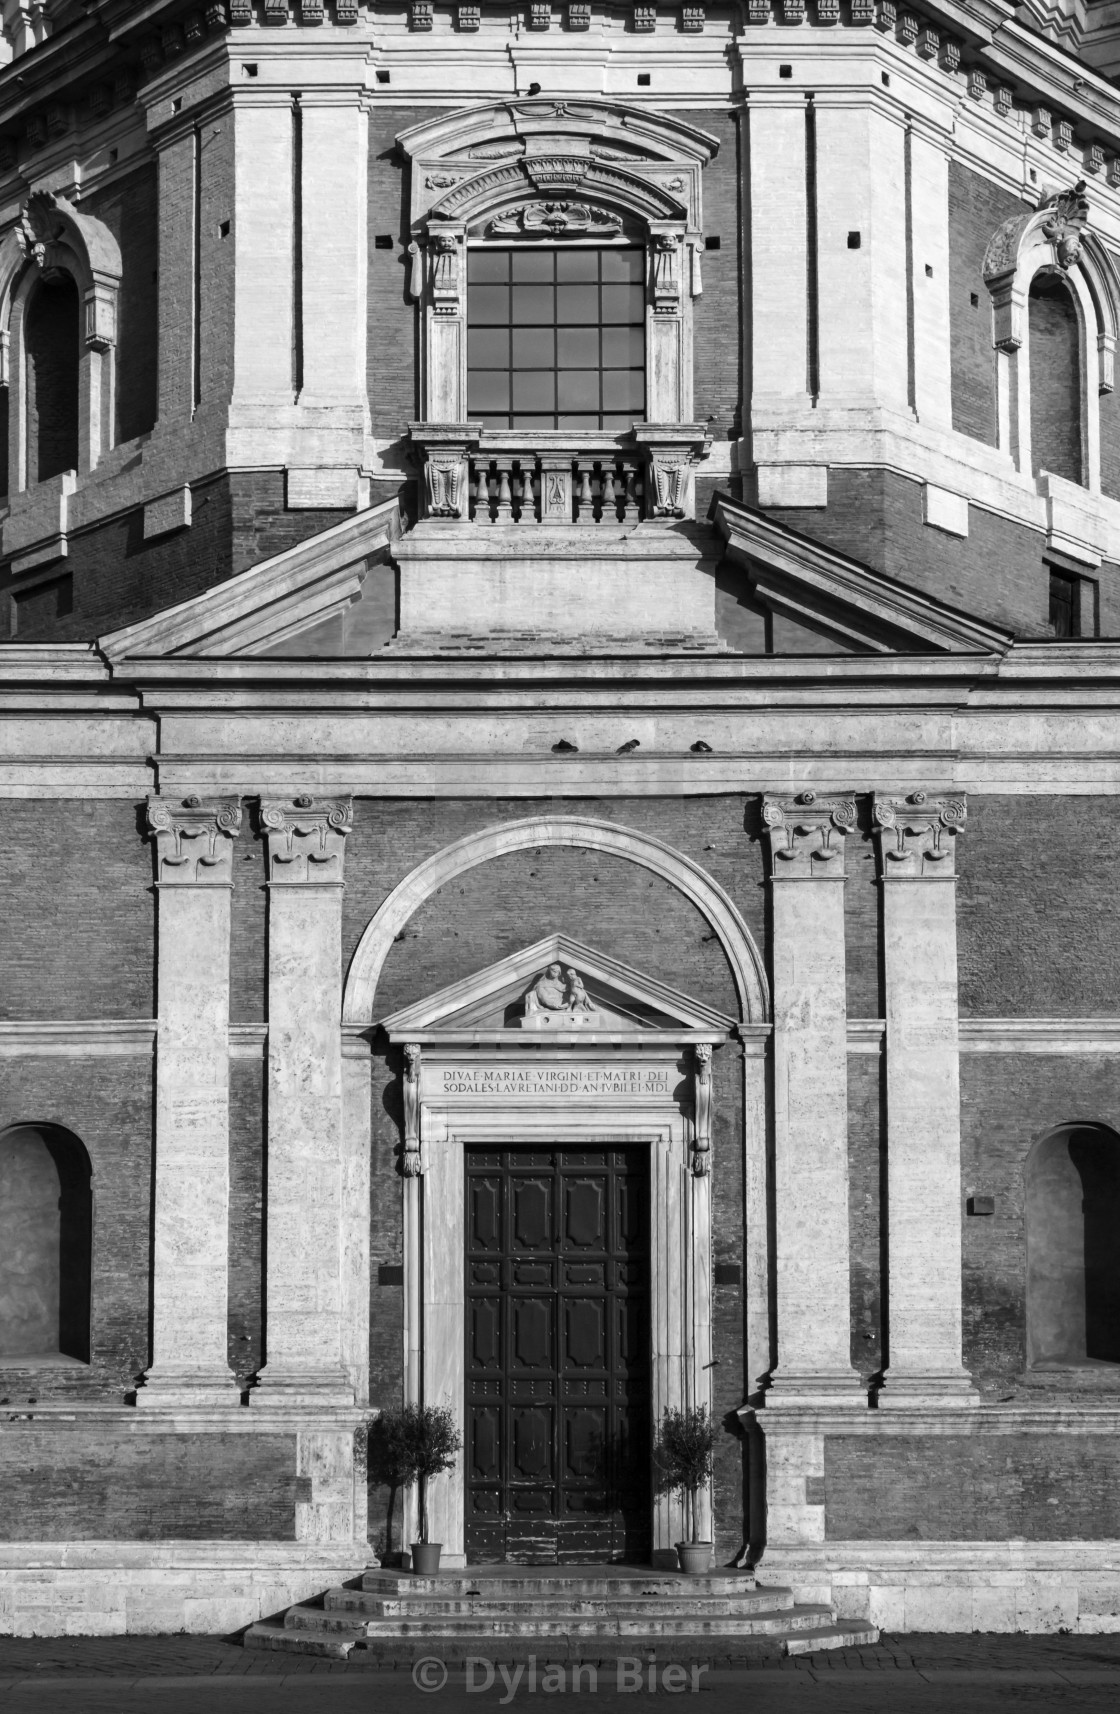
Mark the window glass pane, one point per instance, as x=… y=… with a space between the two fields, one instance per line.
x=618 y=420
x=487 y=305
x=577 y=390
x=534 y=348
x=532 y=304
x=488 y=347
x=623 y=390
x=579 y=304
x=534 y=422
x=623 y=265
x=569 y=421
x=577 y=264
x=534 y=390
x=623 y=303
x=488 y=390
x=533 y=264
x=487 y=265
x=578 y=348
x=492 y=422
x=624 y=347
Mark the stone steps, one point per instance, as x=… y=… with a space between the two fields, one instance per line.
x=355 y=1602
x=575 y=1614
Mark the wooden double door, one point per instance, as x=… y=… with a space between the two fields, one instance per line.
x=558 y=1355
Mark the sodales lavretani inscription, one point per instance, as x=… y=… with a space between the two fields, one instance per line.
x=559 y=1080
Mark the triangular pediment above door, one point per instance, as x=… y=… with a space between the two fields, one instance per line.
x=589 y=994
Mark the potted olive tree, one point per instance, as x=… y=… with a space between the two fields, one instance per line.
x=683 y=1460
x=420 y=1441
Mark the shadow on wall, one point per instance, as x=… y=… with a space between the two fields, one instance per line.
x=1073 y=1258
x=46 y=1228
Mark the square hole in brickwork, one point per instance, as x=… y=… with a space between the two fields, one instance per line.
x=383 y=241
x=785 y=71
x=382 y=76
x=929 y=272
x=886 y=79
x=177 y=104
x=974 y=299
x=223 y=229
x=643 y=80
x=712 y=242
x=854 y=240
x=248 y=71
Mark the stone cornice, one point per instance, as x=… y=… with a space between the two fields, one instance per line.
x=1039 y=1036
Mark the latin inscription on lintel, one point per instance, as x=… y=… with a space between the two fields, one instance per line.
x=559 y=1082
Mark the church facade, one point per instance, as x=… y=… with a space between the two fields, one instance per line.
x=558 y=794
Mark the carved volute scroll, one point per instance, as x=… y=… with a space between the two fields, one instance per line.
x=806 y=834
x=702 y=1109
x=410 y=1163
x=305 y=839
x=916 y=836
x=192 y=840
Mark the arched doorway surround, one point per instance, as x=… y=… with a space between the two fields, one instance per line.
x=359 y=1012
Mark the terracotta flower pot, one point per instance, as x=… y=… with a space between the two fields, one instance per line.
x=425 y=1557
x=695 y=1557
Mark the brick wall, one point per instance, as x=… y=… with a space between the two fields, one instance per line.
x=101 y=1484
x=107 y=1103
x=76 y=936
x=394 y=379
x=217 y=259
x=861 y=922
x=960 y=1487
x=1008 y=1103
x=118 y=577
x=728 y=1373
x=129 y=209
x=996 y=571
x=976 y=209
x=1032 y=938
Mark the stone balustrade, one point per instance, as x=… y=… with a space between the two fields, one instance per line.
x=559 y=478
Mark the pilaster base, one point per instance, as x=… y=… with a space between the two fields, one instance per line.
x=827 y=1388
x=169 y=1387
x=283 y=1389
x=943 y=1389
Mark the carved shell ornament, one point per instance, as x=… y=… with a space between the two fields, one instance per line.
x=1065 y=221
x=40 y=226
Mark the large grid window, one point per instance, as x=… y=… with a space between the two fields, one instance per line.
x=556 y=338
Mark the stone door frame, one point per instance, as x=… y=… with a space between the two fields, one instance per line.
x=435 y=1267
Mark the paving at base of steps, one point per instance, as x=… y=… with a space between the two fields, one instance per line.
x=901 y=1674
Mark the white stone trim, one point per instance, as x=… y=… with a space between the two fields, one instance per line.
x=1046 y=1036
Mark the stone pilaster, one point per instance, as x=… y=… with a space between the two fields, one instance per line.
x=304 y=1274
x=193 y=848
x=915 y=839
x=806 y=836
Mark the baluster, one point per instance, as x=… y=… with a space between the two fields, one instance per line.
x=534 y=481
x=585 y=501
x=485 y=497
x=634 y=487
x=504 y=506
x=474 y=490
x=618 y=493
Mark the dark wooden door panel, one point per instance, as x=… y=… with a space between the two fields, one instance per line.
x=558 y=1397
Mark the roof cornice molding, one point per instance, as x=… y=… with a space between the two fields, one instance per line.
x=794 y=575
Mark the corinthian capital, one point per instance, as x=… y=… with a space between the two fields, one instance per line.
x=806 y=834
x=193 y=840
x=916 y=836
x=305 y=838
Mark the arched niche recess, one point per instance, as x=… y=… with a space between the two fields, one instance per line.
x=541 y=170
x=1053 y=240
x=51 y=244
x=1073 y=1258
x=46 y=1225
